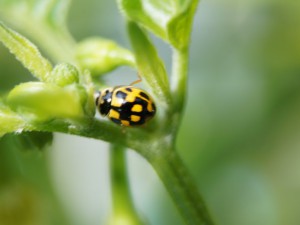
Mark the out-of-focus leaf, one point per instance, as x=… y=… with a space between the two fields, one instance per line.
x=26 y=52
x=26 y=188
x=44 y=21
x=101 y=55
x=21 y=204
x=150 y=66
x=170 y=20
x=33 y=140
x=55 y=11
x=52 y=11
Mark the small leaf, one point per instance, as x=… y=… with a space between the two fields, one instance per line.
x=170 y=19
x=26 y=52
x=179 y=27
x=63 y=74
x=32 y=141
x=101 y=55
x=9 y=120
x=154 y=21
x=45 y=101
x=150 y=66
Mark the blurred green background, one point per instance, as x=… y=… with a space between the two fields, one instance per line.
x=240 y=135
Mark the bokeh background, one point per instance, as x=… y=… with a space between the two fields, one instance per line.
x=240 y=135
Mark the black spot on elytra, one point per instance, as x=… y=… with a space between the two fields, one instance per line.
x=126 y=111
x=121 y=95
x=129 y=89
x=144 y=95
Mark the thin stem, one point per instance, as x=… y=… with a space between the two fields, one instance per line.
x=123 y=208
x=179 y=78
x=182 y=188
x=119 y=182
x=93 y=128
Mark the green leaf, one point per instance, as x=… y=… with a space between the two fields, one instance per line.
x=26 y=52
x=33 y=140
x=136 y=11
x=52 y=11
x=9 y=121
x=179 y=27
x=150 y=66
x=44 y=101
x=44 y=21
x=170 y=20
x=100 y=55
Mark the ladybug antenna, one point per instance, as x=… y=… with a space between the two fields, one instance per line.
x=136 y=81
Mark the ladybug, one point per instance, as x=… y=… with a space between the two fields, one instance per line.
x=126 y=105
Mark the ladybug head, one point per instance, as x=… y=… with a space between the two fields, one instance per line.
x=103 y=101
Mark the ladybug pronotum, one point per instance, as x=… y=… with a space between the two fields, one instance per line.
x=126 y=105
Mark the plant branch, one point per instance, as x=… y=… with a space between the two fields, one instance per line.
x=158 y=152
x=179 y=78
x=182 y=188
x=123 y=208
x=94 y=128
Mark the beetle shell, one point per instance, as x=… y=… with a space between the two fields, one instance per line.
x=126 y=105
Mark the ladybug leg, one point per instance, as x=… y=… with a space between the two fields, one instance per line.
x=136 y=81
x=123 y=129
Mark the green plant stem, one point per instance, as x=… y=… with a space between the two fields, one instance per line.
x=97 y=129
x=179 y=78
x=123 y=208
x=119 y=182
x=86 y=127
x=182 y=188
x=158 y=151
